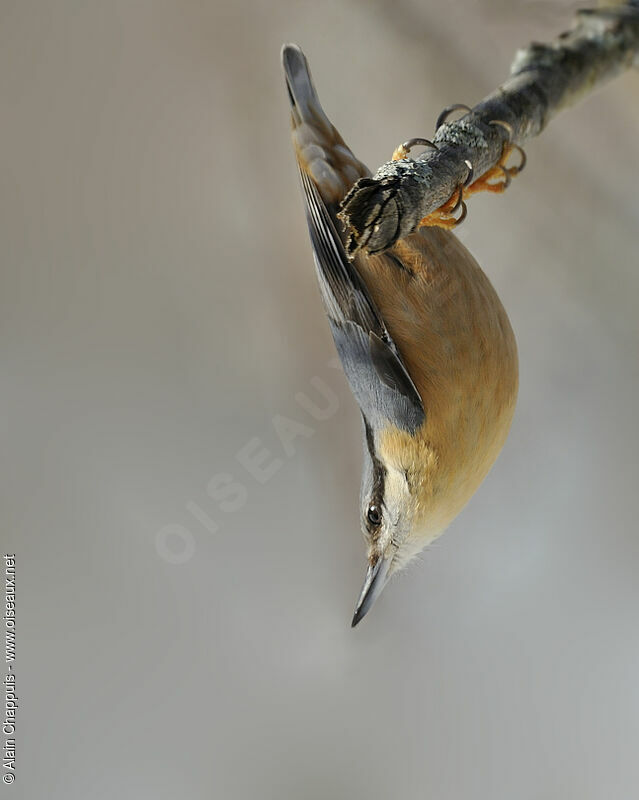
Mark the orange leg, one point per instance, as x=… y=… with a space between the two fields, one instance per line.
x=444 y=216
x=496 y=180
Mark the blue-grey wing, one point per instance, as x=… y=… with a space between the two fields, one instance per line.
x=378 y=378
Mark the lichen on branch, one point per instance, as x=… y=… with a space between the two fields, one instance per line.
x=545 y=78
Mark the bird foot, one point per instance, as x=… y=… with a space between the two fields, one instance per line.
x=403 y=150
x=496 y=180
x=444 y=216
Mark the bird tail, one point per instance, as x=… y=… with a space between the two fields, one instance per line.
x=320 y=151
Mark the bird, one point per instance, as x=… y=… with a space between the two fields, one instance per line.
x=426 y=346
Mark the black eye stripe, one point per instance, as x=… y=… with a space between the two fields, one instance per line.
x=379 y=478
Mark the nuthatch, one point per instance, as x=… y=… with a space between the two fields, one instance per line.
x=426 y=346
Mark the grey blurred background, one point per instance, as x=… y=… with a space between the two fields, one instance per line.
x=159 y=314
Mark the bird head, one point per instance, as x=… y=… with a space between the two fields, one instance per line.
x=403 y=504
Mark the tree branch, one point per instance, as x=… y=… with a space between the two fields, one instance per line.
x=545 y=78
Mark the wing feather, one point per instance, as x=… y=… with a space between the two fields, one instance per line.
x=373 y=365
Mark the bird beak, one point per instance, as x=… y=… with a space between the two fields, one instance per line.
x=376 y=578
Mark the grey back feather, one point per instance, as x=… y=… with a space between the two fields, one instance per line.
x=376 y=373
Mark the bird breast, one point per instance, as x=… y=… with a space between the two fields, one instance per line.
x=455 y=338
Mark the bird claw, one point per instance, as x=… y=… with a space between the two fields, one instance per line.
x=444 y=216
x=495 y=180
x=498 y=178
x=404 y=149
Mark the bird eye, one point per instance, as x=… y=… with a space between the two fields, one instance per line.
x=374 y=515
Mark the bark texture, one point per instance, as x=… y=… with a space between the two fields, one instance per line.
x=545 y=78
